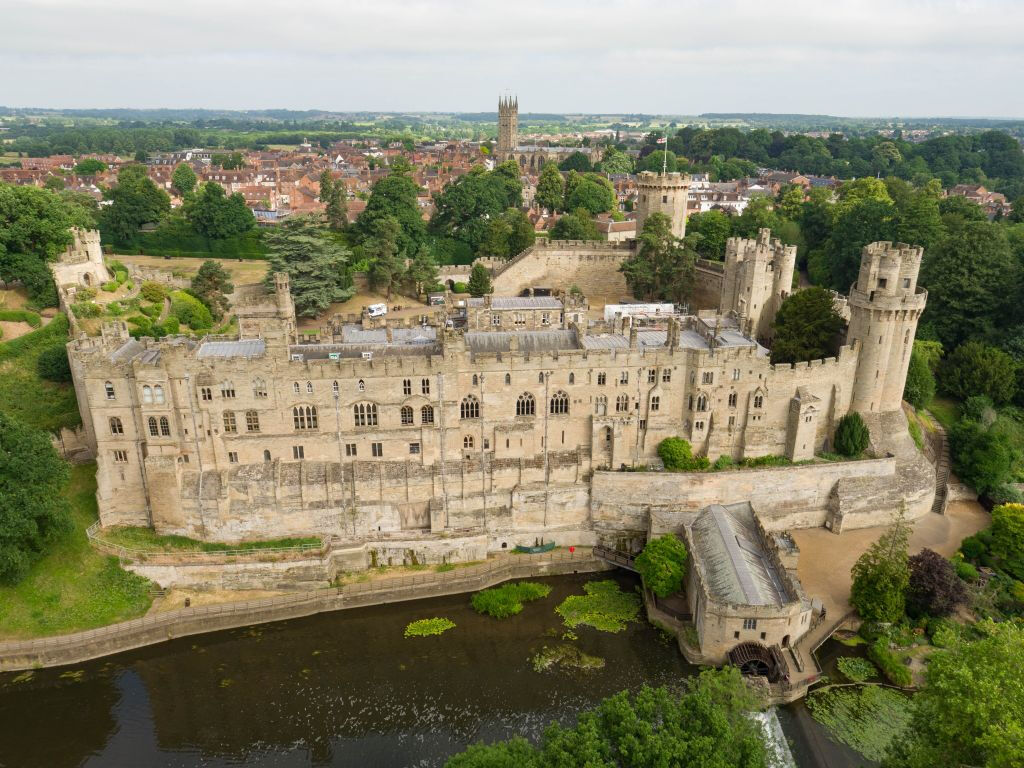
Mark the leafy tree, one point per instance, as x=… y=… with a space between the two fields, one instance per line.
x=662 y=564
x=917 y=220
x=507 y=235
x=396 y=196
x=662 y=266
x=90 y=166
x=332 y=195
x=759 y=214
x=228 y=161
x=190 y=310
x=966 y=275
x=135 y=201
x=183 y=179
x=479 y=281
x=707 y=725
x=1008 y=538
x=577 y=225
x=934 y=588
x=971 y=710
x=316 y=263
x=212 y=285
x=881 y=576
x=386 y=265
x=614 y=162
x=215 y=215
x=658 y=159
x=852 y=435
x=806 y=327
x=975 y=368
x=550 y=189
x=465 y=207
x=52 y=364
x=920 y=385
x=981 y=457
x=421 y=275
x=592 y=193
x=710 y=230
x=790 y=202
x=54 y=183
x=34 y=229
x=577 y=161
x=33 y=509
x=677 y=456
x=855 y=224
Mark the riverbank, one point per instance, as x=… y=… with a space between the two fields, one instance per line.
x=149 y=630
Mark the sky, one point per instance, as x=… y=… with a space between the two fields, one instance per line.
x=839 y=57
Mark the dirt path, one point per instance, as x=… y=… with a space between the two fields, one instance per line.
x=826 y=559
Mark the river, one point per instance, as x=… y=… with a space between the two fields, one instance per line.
x=336 y=689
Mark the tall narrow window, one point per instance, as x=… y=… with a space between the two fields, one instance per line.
x=602 y=378
x=252 y=421
x=572 y=378
x=467 y=441
x=158 y=394
x=335 y=389
x=702 y=402
x=406 y=386
x=227 y=389
x=165 y=427
x=298 y=452
x=652 y=376
x=365 y=414
x=425 y=386
x=476 y=380
x=508 y=379
x=116 y=428
x=427 y=414
x=154 y=431
x=559 y=405
x=309 y=387
x=407 y=416
x=229 y=422
x=758 y=401
x=622 y=404
x=295 y=387
x=109 y=389
x=469 y=408
x=147 y=394
x=206 y=393
x=259 y=388
x=655 y=403
x=601 y=406
x=666 y=375
x=526 y=405
x=732 y=399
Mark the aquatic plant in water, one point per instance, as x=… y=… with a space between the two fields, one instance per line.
x=604 y=607
x=427 y=627
x=856 y=669
x=507 y=600
x=565 y=656
x=866 y=717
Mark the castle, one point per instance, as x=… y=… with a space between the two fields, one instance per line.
x=530 y=158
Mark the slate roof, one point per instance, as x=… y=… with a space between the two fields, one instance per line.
x=735 y=566
x=491 y=342
x=243 y=348
x=518 y=302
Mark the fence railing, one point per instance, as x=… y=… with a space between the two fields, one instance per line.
x=461 y=579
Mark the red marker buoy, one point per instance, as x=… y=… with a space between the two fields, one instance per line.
x=571 y=550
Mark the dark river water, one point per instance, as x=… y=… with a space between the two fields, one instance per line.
x=338 y=689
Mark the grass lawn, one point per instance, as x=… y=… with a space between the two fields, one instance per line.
x=41 y=404
x=945 y=410
x=73 y=587
x=150 y=541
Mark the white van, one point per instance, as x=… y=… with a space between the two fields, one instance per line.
x=377 y=310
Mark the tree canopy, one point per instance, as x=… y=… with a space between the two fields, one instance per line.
x=216 y=215
x=134 y=201
x=662 y=267
x=806 y=327
x=578 y=225
x=316 y=263
x=211 y=285
x=550 y=189
x=881 y=576
x=396 y=196
x=662 y=564
x=464 y=208
x=183 y=179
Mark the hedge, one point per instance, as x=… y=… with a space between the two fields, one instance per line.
x=889 y=663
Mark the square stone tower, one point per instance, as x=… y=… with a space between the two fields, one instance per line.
x=508 y=125
x=758 y=277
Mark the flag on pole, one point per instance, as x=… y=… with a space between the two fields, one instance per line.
x=662 y=140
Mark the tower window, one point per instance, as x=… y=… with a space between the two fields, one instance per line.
x=116 y=428
x=109 y=389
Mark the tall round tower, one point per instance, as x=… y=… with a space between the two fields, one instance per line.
x=885 y=305
x=662 y=193
x=508 y=126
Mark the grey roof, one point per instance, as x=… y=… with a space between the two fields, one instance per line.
x=345 y=351
x=490 y=342
x=652 y=338
x=736 y=567
x=518 y=302
x=242 y=348
x=126 y=351
x=356 y=334
x=605 y=341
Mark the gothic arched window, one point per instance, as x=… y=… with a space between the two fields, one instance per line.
x=407 y=416
x=526 y=405
x=153 y=429
x=469 y=408
x=427 y=414
x=365 y=414
x=305 y=417
x=559 y=404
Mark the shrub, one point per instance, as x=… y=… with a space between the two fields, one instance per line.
x=856 y=669
x=722 y=462
x=427 y=627
x=852 y=435
x=507 y=600
x=676 y=455
x=190 y=311
x=114 y=308
x=52 y=363
x=975 y=368
x=979 y=408
x=934 y=588
x=973 y=547
x=85 y=294
x=460 y=288
x=168 y=327
x=84 y=309
x=151 y=310
x=109 y=286
x=152 y=291
x=1008 y=538
x=887 y=661
x=920 y=387
x=662 y=565
x=768 y=460
x=120 y=277
x=966 y=571
x=981 y=457
x=1005 y=494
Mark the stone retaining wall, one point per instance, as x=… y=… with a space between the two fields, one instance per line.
x=149 y=630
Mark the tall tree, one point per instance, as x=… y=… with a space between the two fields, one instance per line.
x=135 y=201
x=421 y=275
x=183 y=179
x=881 y=576
x=550 y=189
x=317 y=265
x=479 y=281
x=465 y=207
x=507 y=235
x=806 y=327
x=577 y=225
x=212 y=285
x=662 y=266
x=386 y=264
x=332 y=195
x=710 y=230
x=394 y=196
x=33 y=509
x=592 y=192
x=214 y=214
x=615 y=161
x=576 y=161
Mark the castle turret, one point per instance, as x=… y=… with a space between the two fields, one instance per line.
x=662 y=193
x=758 y=276
x=885 y=305
x=508 y=126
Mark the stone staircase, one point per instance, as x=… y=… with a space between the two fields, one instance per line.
x=941 y=473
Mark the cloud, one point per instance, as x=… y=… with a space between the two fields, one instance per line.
x=865 y=57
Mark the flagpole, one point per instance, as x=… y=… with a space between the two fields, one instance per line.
x=664 y=154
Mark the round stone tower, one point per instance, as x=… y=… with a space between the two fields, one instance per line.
x=662 y=193
x=885 y=305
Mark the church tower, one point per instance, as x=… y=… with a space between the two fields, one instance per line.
x=885 y=305
x=508 y=126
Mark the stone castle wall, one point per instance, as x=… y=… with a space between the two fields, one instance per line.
x=592 y=266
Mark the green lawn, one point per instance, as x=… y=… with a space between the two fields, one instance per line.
x=945 y=410
x=41 y=404
x=148 y=540
x=73 y=587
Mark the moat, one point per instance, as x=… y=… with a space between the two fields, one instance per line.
x=340 y=689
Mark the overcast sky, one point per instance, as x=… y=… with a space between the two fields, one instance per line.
x=841 y=57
